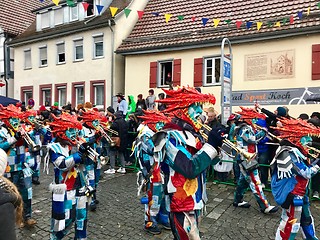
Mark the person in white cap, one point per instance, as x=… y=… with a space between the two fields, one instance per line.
x=11 y=204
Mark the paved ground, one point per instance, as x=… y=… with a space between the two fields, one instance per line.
x=120 y=214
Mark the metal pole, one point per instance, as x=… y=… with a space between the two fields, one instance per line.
x=112 y=60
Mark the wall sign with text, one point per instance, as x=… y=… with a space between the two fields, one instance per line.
x=290 y=96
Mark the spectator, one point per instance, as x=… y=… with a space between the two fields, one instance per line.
x=161 y=106
x=140 y=105
x=131 y=106
x=119 y=125
x=315 y=115
x=110 y=114
x=122 y=104
x=212 y=120
x=44 y=114
x=11 y=204
x=303 y=116
x=150 y=101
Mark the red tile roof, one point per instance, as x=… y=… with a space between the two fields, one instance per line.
x=16 y=15
x=152 y=33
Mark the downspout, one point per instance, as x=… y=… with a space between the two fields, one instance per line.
x=112 y=60
x=5 y=61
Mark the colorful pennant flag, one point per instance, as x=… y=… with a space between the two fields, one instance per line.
x=228 y=22
x=99 y=8
x=193 y=18
x=318 y=4
x=300 y=15
x=277 y=24
x=291 y=19
x=155 y=14
x=113 y=11
x=167 y=17
x=127 y=11
x=204 y=21
x=259 y=25
x=71 y=3
x=284 y=21
x=238 y=24
x=140 y=14
x=216 y=22
x=56 y=2
x=85 y=6
x=269 y=24
x=308 y=11
x=180 y=17
x=249 y=24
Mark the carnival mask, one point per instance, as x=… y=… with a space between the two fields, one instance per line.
x=31 y=119
x=194 y=111
x=95 y=123
x=72 y=133
x=159 y=126
x=15 y=123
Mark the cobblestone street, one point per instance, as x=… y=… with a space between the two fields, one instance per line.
x=120 y=214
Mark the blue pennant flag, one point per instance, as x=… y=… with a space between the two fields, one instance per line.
x=249 y=24
x=99 y=8
x=155 y=14
x=300 y=15
x=204 y=21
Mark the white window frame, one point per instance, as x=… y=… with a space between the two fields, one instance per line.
x=43 y=90
x=46 y=56
x=64 y=48
x=27 y=51
x=56 y=14
x=95 y=85
x=43 y=14
x=161 y=76
x=214 y=60
x=95 y=41
x=77 y=44
x=59 y=90
x=76 y=89
x=71 y=9
x=27 y=94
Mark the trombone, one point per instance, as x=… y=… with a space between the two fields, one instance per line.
x=92 y=154
x=106 y=136
x=28 y=140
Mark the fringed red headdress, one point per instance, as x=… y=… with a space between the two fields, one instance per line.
x=60 y=124
x=29 y=113
x=8 y=112
x=89 y=116
x=250 y=113
x=152 y=117
x=178 y=101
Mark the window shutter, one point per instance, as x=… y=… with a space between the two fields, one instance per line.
x=177 y=72
x=198 y=72
x=316 y=62
x=153 y=75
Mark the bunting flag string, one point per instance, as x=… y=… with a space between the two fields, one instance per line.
x=204 y=20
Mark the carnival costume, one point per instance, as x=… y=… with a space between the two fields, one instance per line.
x=247 y=140
x=185 y=157
x=18 y=170
x=35 y=131
x=291 y=171
x=69 y=188
x=91 y=136
x=150 y=177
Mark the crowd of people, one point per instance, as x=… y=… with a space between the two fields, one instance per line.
x=176 y=141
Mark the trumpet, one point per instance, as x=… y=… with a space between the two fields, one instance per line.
x=228 y=144
x=202 y=131
x=106 y=136
x=92 y=154
x=269 y=134
x=28 y=140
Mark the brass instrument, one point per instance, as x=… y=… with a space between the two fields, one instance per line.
x=92 y=154
x=269 y=135
x=28 y=140
x=106 y=136
x=201 y=131
x=314 y=155
x=107 y=128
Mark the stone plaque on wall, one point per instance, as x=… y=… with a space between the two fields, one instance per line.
x=267 y=66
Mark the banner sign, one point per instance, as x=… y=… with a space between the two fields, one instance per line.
x=290 y=96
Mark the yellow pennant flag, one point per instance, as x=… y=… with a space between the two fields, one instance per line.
x=259 y=24
x=278 y=24
x=113 y=11
x=216 y=22
x=56 y=2
x=167 y=16
x=308 y=11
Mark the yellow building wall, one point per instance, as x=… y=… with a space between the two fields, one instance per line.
x=137 y=69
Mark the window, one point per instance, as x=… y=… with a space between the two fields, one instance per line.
x=74 y=13
x=27 y=59
x=97 y=93
x=78 y=93
x=61 y=53
x=90 y=9
x=61 y=94
x=58 y=16
x=26 y=93
x=98 y=46
x=43 y=56
x=45 y=20
x=45 y=95
x=211 y=71
x=165 y=73
x=78 y=49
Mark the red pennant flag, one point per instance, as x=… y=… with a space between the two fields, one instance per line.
x=193 y=19
x=291 y=19
x=85 y=6
x=140 y=14
x=238 y=23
